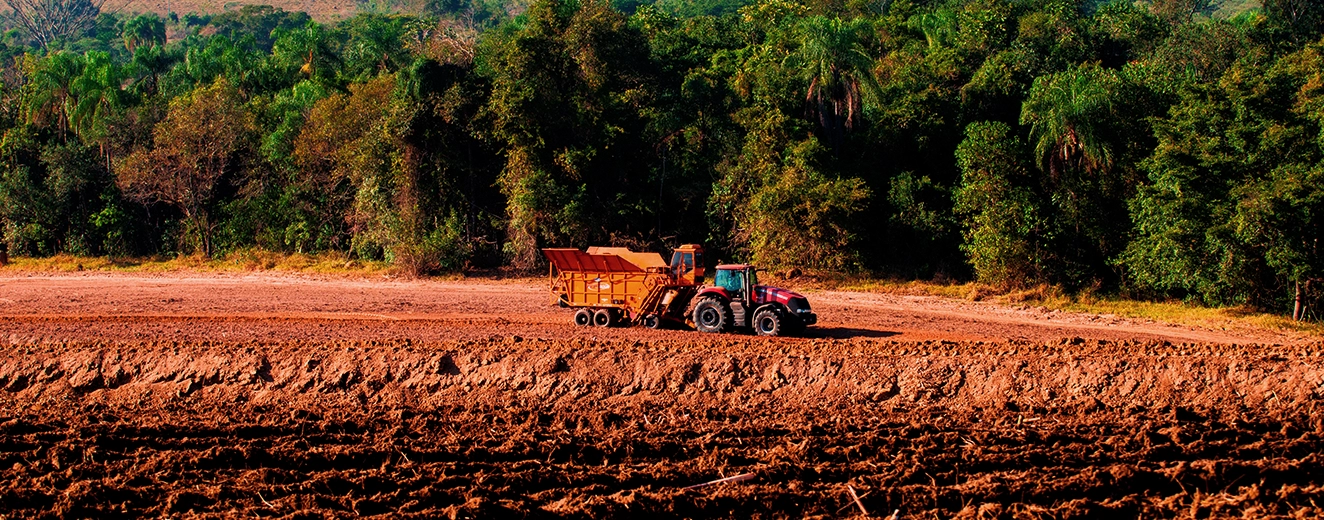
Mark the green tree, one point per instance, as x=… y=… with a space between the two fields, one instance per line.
x=998 y=208
x=306 y=50
x=375 y=44
x=359 y=149
x=568 y=89
x=49 y=194
x=782 y=208
x=1230 y=214
x=838 y=70
x=346 y=153
x=144 y=30
x=1067 y=113
x=204 y=136
x=99 y=97
x=1281 y=215
x=49 y=95
x=238 y=61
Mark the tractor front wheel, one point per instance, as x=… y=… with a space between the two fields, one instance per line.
x=767 y=322
x=712 y=315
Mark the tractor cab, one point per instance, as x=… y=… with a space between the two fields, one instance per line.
x=736 y=300
x=687 y=265
x=737 y=280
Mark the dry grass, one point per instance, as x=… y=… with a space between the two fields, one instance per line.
x=1055 y=298
x=1183 y=313
x=249 y=260
x=320 y=10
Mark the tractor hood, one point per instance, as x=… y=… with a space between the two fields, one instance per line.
x=768 y=293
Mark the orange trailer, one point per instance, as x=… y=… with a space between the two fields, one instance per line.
x=612 y=285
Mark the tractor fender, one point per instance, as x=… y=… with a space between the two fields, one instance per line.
x=775 y=306
x=719 y=292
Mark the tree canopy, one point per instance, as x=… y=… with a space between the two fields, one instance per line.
x=1160 y=149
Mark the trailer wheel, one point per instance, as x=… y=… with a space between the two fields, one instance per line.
x=652 y=321
x=602 y=318
x=767 y=322
x=711 y=315
x=583 y=317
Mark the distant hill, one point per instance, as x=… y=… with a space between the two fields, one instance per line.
x=328 y=10
x=1230 y=8
x=321 y=10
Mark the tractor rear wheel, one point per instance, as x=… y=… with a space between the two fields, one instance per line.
x=767 y=322
x=583 y=317
x=602 y=318
x=712 y=315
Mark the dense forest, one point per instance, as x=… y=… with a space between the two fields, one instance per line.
x=1149 y=149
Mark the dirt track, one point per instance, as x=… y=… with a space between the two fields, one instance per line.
x=283 y=308
x=265 y=395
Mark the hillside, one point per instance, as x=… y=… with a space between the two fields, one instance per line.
x=321 y=10
x=326 y=10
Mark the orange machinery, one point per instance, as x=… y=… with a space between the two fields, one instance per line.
x=609 y=285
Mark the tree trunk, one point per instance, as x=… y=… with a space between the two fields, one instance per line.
x=1296 y=310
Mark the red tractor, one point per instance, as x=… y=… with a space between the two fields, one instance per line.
x=736 y=301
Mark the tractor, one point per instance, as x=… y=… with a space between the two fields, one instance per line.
x=613 y=285
x=736 y=301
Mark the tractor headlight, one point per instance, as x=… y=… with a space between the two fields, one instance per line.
x=799 y=306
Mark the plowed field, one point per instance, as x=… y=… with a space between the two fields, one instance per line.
x=241 y=396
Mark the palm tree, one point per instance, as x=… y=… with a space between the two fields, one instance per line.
x=149 y=63
x=1067 y=112
x=839 y=72
x=306 y=49
x=144 y=29
x=97 y=95
x=237 y=61
x=49 y=90
x=375 y=47
x=938 y=27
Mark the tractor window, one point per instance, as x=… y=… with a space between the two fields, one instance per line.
x=698 y=258
x=753 y=277
x=727 y=279
x=731 y=280
x=681 y=263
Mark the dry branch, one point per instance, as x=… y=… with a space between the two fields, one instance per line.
x=856 y=497
x=737 y=478
x=50 y=20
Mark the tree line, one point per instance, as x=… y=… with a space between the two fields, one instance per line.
x=1149 y=149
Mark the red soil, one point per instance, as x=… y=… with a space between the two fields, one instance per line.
x=270 y=395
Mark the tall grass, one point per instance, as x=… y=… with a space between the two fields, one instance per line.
x=1089 y=302
x=247 y=260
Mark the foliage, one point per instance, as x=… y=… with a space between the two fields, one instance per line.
x=568 y=89
x=1002 y=224
x=1153 y=148
x=201 y=140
